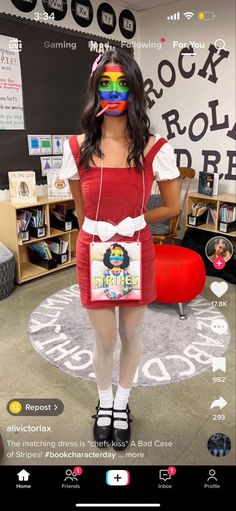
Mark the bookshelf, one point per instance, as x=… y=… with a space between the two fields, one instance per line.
x=25 y=269
x=217 y=201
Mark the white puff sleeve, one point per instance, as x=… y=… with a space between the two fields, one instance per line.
x=68 y=168
x=164 y=163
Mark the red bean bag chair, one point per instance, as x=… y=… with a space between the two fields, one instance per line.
x=180 y=275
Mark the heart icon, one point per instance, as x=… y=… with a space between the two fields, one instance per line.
x=219 y=288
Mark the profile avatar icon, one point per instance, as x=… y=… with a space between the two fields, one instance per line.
x=219 y=248
x=219 y=444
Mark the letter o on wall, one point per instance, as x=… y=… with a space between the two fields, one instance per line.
x=192 y=136
x=171 y=82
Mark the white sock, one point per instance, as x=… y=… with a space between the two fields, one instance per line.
x=106 y=401
x=120 y=403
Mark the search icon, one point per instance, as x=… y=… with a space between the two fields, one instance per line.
x=219 y=44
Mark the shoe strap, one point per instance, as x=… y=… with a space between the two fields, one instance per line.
x=101 y=416
x=101 y=408
x=128 y=419
x=127 y=410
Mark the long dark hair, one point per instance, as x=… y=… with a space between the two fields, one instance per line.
x=107 y=254
x=138 y=123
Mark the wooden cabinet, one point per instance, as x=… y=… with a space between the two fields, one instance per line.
x=217 y=201
x=25 y=270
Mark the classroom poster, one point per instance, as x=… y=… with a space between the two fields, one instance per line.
x=22 y=186
x=11 y=101
x=50 y=163
x=57 y=187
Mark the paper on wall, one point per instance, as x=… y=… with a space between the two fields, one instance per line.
x=11 y=102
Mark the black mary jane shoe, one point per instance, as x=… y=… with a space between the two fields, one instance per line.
x=102 y=434
x=121 y=437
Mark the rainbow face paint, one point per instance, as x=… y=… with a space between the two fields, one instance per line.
x=117 y=256
x=113 y=90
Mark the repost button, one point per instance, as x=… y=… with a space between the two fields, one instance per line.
x=35 y=407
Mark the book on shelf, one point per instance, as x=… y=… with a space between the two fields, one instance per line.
x=59 y=211
x=58 y=246
x=208 y=183
x=22 y=224
x=211 y=216
x=23 y=220
x=22 y=186
x=202 y=213
x=62 y=217
x=38 y=216
x=42 y=250
x=200 y=208
x=227 y=213
x=64 y=213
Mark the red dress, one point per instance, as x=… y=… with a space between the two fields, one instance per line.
x=122 y=192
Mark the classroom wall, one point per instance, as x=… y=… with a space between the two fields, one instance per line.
x=211 y=98
x=204 y=107
x=69 y=23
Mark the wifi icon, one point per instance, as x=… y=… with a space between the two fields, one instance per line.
x=188 y=15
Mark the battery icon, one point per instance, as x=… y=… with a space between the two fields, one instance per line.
x=206 y=15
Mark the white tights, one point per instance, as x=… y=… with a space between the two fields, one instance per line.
x=104 y=324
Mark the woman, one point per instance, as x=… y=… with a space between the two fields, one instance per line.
x=129 y=161
x=220 y=250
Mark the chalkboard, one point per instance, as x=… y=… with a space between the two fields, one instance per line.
x=53 y=81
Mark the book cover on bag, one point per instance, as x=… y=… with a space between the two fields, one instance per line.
x=115 y=271
x=208 y=183
x=22 y=186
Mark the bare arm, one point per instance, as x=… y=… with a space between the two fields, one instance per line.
x=170 y=194
x=75 y=189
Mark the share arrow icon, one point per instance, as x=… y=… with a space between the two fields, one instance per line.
x=219 y=403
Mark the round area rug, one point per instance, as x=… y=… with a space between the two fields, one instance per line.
x=173 y=350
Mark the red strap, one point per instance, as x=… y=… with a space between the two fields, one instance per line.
x=75 y=148
x=155 y=149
